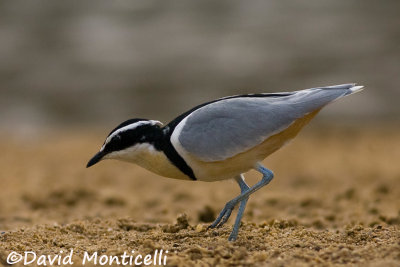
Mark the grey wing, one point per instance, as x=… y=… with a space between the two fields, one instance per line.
x=225 y=128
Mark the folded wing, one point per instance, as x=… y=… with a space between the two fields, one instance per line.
x=233 y=125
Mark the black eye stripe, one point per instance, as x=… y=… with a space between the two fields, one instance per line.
x=131 y=137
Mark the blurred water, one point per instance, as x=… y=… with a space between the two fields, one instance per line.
x=90 y=62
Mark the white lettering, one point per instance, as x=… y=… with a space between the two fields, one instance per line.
x=131 y=257
x=26 y=262
x=123 y=258
x=136 y=260
x=165 y=257
x=103 y=259
x=147 y=259
x=53 y=259
x=89 y=258
x=114 y=258
x=68 y=259
x=41 y=260
x=157 y=258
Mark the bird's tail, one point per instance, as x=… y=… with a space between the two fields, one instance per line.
x=350 y=87
x=308 y=100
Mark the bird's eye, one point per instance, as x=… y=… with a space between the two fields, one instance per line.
x=114 y=143
x=116 y=140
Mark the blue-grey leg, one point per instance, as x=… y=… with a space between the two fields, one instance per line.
x=225 y=214
x=229 y=206
x=243 y=188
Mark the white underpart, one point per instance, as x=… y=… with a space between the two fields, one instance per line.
x=130 y=127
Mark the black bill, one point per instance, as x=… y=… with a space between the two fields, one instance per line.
x=96 y=158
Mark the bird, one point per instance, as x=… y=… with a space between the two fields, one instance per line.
x=220 y=139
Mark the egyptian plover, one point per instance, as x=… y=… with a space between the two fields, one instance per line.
x=221 y=139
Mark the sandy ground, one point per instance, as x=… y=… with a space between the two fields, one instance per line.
x=334 y=200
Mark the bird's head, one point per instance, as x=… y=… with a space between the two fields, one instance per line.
x=127 y=139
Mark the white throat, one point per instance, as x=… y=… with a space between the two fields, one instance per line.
x=148 y=157
x=133 y=153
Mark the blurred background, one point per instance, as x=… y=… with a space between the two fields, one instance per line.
x=70 y=71
x=84 y=63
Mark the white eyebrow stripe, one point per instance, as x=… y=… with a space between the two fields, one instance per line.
x=129 y=127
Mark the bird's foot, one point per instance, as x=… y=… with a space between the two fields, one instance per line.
x=233 y=235
x=223 y=215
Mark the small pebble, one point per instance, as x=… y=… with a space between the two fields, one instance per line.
x=199 y=228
